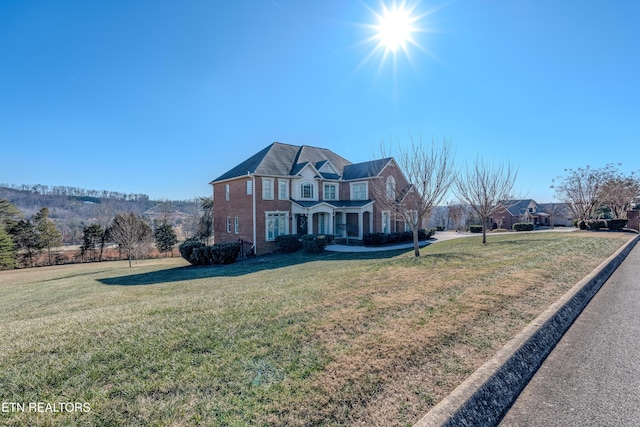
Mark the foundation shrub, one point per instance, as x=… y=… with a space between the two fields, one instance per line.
x=289 y=243
x=316 y=243
x=617 y=224
x=596 y=224
x=475 y=228
x=523 y=226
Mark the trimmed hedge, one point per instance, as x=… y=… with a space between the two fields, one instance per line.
x=289 y=243
x=475 y=228
x=198 y=253
x=596 y=224
x=523 y=226
x=379 y=239
x=617 y=224
x=316 y=243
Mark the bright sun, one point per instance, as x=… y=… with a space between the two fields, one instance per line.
x=394 y=28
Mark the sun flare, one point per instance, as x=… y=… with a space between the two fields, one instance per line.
x=394 y=28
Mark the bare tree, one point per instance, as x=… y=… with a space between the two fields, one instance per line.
x=429 y=171
x=483 y=186
x=456 y=213
x=132 y=233
x=619 y=192
x=581 y=189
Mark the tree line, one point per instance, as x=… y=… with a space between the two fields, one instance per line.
x=24 y=241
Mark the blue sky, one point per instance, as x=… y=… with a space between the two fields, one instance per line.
x=161 y=97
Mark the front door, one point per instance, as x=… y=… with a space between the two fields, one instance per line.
x=301 y=224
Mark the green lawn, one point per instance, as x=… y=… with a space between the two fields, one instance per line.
x=329 y=339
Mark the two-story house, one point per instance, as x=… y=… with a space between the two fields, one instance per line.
x=289 y=189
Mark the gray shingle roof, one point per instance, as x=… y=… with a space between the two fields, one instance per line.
x=280 y=159
x=365 y=169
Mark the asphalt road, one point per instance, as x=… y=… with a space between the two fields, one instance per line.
x=592 y=377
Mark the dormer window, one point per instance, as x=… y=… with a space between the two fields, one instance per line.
x=306 y=190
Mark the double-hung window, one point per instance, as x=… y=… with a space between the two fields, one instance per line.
x=277 y=225
x=283 y=190
x=330 y=192
x=306 y=190
x=267 y=188
x=359 y=191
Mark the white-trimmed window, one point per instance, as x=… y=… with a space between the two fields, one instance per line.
x=331 y=192
x=228 y=224
x=236 y=225
x=283 y=189
x=413 y=217
x=322 y=221
x=359 y=191
x=226 y=192
x=267 y=188
x=306 y=190
x=277 y=224
x=391 y=188
x=250 y=187
x=386 y=222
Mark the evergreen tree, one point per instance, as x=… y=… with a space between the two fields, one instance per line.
x=92 y=237
x=47 y=232
x=9 y=214
x=26 y=239
x=7 y=250
x=165 y=238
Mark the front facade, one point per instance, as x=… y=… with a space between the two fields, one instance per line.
x=288 y=189
x=510 y=212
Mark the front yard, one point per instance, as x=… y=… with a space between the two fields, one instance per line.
x=330 y=339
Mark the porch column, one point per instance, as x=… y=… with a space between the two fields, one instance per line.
x=310 y=224
x=370 y=222
x=360 y=225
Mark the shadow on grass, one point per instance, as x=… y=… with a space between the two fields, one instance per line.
x=241 y=268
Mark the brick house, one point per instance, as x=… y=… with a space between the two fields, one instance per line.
x=510 y=212
x=289 y=189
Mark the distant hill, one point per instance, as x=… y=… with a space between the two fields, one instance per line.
x=72 y=208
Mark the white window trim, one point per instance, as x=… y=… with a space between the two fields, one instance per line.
x=285 y=214
x=228 y=224
x=226 y=192
x=334 y=185
x=304 y=183
x=236 y=225
x=366 y=190
x=266 y=196
x=391 y=189
x=382 y=215
x=286 y=189
x=249 y=187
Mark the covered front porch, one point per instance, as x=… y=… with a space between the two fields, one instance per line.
x=342 y=219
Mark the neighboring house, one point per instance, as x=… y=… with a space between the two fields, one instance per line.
x=288 y=189
x=559 y=213
x=510 y=212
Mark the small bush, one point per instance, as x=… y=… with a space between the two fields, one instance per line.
x=315 y=243
x=187 y=247
x=475 y=228
x=617 y=224
x=581 y=224
x=379 y=239
x=289 y=243
x=440 y=227
x=596 y=224
x=523 y=226
x=198 y=253
x=225 y=253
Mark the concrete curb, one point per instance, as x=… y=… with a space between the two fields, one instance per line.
x=485 y=397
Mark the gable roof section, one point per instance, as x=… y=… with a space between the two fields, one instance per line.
x=280 y=159
x=517 y=207
x=365 y=169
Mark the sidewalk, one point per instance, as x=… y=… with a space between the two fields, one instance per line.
x=440 y=236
